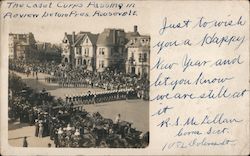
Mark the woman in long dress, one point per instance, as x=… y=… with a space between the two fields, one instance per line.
x=40 y=133
x=37 y=128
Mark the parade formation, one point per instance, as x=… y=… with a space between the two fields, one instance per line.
x=65 y=121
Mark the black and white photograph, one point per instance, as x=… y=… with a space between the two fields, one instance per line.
x=89 y=90
x=130 y=77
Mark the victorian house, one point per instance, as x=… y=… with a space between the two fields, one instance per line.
x=80 y=49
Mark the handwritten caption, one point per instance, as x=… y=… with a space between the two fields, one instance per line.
x=68 y=9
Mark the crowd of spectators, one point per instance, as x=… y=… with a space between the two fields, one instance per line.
x=65 y=76
x=68 y=125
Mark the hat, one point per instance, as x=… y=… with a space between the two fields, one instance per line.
x=77 y=132
x=60 y=131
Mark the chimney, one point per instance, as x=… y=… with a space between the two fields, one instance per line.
x=73 y=37
x=135 y=28
x=65 y=33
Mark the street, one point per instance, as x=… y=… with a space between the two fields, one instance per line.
x=135 y=111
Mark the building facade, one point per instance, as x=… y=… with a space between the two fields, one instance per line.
x=112 y=49
x=110 y=52
x=79 y=50
x=21 y=45
x=138 y=60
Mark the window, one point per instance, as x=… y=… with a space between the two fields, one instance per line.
x=145 y=57
x=87 y=51
x=102 y=64
x=101 y=51
x=132 y=54
x=79 y=61
x=77 y=50
x=140 y=57
x=87 y=40
x=80 y=50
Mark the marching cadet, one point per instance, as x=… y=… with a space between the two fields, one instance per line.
x=111 y=95
x=115 y=94
x=120 y=94
x=67 y=98
x=70 y=98
x=73 y=98
x=78 y=99
x=86 y=98
x=105 y=97
x=97 y=98
x=94 y=97
x=82 y=98
x=101 y=96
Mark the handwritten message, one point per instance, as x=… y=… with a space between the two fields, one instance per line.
x=68 y=9
x=203 y=129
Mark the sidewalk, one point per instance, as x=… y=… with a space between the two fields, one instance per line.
x=17 y=131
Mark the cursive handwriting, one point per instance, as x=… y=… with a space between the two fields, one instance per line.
x=220 y=40
x=199 y=142
x=217 y=119
x=204 y=23
x=222 y=92
x=179 y=25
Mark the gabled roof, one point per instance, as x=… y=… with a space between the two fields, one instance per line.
x=93 y=37
x=69 y=37
x=81 y=35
